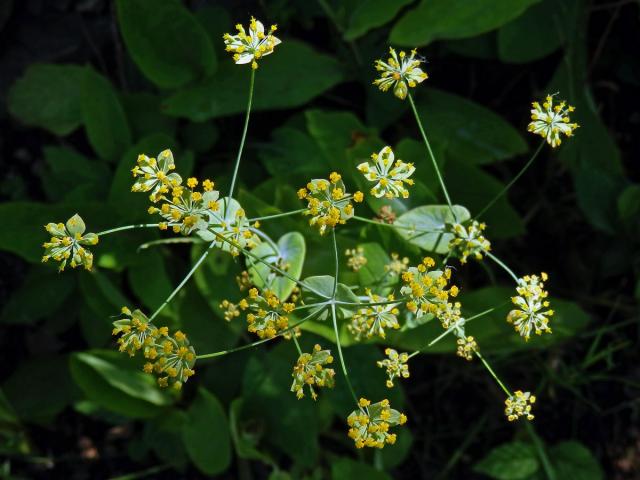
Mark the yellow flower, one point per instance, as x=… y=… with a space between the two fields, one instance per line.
x=267 y=315
x=68 y=242
x=356 y=259
x=369 y=425
x=395 y=365
x=153 y=175
x=374 y=319
x=468 y=241
x=519 y=405
x=466 y=347
x=400 y=72
x=328 y=203
x=532 y=313
x=550 y=120
x=390 y=175
x=310 y=370
x=252 y=46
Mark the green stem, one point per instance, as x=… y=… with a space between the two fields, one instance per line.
x=431 y=155
x=277 y=215
x=337 y=262
x=259 y=342
x=510 y=184
x=169 y=241
x=502 y=264
x=127 y=227
x=544 y=459
x=295 y=340
x=395 y=226
x=372 y=304
x=244 y=136
x=184 y=280
x=493 y=374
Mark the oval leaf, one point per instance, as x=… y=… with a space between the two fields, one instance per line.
x=424 y=226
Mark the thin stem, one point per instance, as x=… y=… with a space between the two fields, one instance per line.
x=372 y=304
x=184 y=280
x=502 y=264
x=128 y=227
x=493 y=374
x=259 y=342
x=433 y=158
x=510 y=184
x=337 y=262
x=244 y=135
x=340 y=356
x=169 y=241
x=295 y=340
x=544 y=459
x=393 y=225
x=277 y=215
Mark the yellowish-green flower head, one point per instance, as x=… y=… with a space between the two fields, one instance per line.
x=267 y=315
x=468 y=241
x=395 y=364
x=68 y=242
x=155 y=176
x=519 y=405
x=252 y=46
x=355 y=258
x=389 y=175
x=170 y=357
x=396 y=265
x=549 y=120
x=328 y=202
x=369 y=425
x=400 y=71
x=428 y=292
x=373 y=320
x=532 y=313
x=467 y=345
x=310 y=370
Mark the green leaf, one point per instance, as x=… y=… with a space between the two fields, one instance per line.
x=373 y=271
x=628 y=204
x=244 y=441
x=473 y=133
x=290 y=77
x=597 y=194
x=290 y=254
x=144 y=115
x=46 y=96
x=166 y=42
x=43 y=292
x=164 y=435
x=431 y=219
x=439 y=19
x=516 y=42
x=510 y=461
x=200 y=137
x=104 y=119
x=282 y=157
x=370 y=14
x=115 y=382
x=150 y=281
x=346 y=469
x=574 y=460
x=323 y=284
x=205 y=434
x=503 y=221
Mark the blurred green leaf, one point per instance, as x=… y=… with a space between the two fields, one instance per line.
x=47 y=97
x=282 y=157
x=205 y=434
x=164 y=435
x=244 y=441
x=290 y=254
x=150 y=280
x=165 y=41
x=290 y=77
x=104 y=119
x=40 y=388
x=115 y=382
x=324 y=284
x=629 y=204
x=346 y=469
x=200 y=137
x=597 y=194
x=429 y=222
x=438 y=19
x=573 y=460
x=473 y=133
x=370 y=14
x=144 y=115
x=42 y=294
x=533 y=35
x=510 y=461
x=373 y=272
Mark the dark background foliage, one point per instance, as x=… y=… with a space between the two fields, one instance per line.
x=87 y=85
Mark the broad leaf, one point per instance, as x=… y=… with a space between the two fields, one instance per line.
x=509 y=461
x=370 y=14
x=347 y=469
x=321 y=288
x=424 y=226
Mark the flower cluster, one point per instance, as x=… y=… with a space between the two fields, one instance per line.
x=154 y=175
x=373 y=319
x=466 y=347
x=468 y=241
x=397 y=265
x=550 y=120
x=268 y=315
x=310 y=370
x=390 y=176
x=170 y=357
x=328 y=202
x=519 y=405
x=533 y=310
x=400 y=72
x=251 y=47
x=428 y=293
x=231 y=310
x=395 y=365
x=356 y=258
x=67 y=243
x=369 y=425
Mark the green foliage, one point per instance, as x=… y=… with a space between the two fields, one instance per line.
x=425 y=226
x=510 y=461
